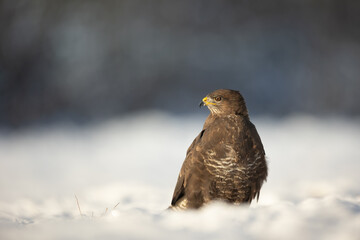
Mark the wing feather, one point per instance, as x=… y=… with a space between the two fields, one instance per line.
x=261 y=175
x=184 y=174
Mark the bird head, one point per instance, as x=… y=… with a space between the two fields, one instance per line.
x=225 y=102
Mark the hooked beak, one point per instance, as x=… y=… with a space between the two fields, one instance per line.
x=206 y=102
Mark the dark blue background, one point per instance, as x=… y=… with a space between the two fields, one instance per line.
x=89 y=60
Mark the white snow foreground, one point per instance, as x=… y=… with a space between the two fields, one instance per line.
x=123 y=174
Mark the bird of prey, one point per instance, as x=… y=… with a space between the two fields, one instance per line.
x=226 y=161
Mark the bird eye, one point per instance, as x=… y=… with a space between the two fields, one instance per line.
x=218 y=99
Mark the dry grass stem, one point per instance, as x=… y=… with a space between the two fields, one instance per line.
x=77 y=201
x=116 y=205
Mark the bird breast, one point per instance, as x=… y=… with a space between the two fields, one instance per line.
x=224 y=164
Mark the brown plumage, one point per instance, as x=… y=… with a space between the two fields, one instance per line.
x=226 y=161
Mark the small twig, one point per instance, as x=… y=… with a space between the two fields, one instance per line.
x=116 y=205
x=77 y=201
x=104 y=212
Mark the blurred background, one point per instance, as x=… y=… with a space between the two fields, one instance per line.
x=82 y=61
x=100 y=99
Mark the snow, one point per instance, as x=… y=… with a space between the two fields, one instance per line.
x=312 y=190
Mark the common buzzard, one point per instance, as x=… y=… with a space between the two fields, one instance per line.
x=226 y=161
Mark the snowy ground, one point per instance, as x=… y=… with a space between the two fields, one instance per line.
x=123 y=173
